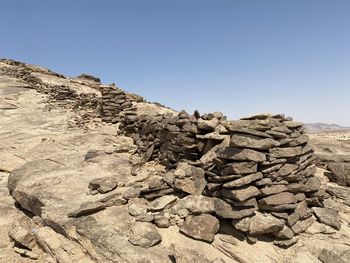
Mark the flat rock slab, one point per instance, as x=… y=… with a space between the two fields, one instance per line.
x=286 y=152
x=241 y=194
x=239 y=154
x=144 y=235
x=202 y=227
x=247 y=179
x=259 y=224
x=327 y=216
x=251 y=141
x=240 y=168
x=279 y=199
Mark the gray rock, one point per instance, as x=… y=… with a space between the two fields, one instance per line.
x=271 y=168
x=264 y=224
x=189 y=179
x=327 y=216
x=299 y=213
x=263 y=182
x=278 y=199
x=286 y=243
x=328 y=256
x=286 y=169
x=239 y=154
x=145 y=218
x=339 y=192
x=202 y=227
x=162 y=220
x=293 y=124
x=286 y=152
x=312 y=184
x=260 y=224
x=199 y=204
x=87 y=208
x=189 y=186
x=243 y=193
x=284 y=233
x=226 y=211
x=273 y=189
x=339 y=173
x=161 y=202
x=240 y=168
x=144 y=235
x=103 y=185
x=208 y=125
x=302 y=225
x=251 y=141
x=247 y=179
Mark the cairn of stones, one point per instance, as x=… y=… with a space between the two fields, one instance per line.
x=257 y=172
x=114 y=101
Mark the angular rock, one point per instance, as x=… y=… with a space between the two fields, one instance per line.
x=226 y=211
x=328 y=256
x=189 y=179
x=202 y=227
x=301 y=226
x=286 y=243
x=199 y=204
x=251 y=141
x=189 y=186
x=313 y=184
x=247 y=179
x=298 y=213
x=286 y=169
x=278 y=199
x=144 y=235
x=339 y=192
x=284 y=233
x=103 y=185
x=162 y=220
x=339 y=173
x=273 y=189
x=263 y=182
x=239 y=154
x=260 y=224
x=20 y=233
x=161 y=202
x=246 y=203
x=293 y=124
x=240 y=168
x=271 y=168
x=208 y=125
x=286 y=152
x=328 y=217
x=87 y=208
x=242 y=194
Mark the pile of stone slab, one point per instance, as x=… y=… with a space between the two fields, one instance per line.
x=256 y=173
x=170 y=138
x=258 y=170
x=114 y=101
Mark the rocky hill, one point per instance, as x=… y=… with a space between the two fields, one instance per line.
x=324 y=127
x=92 y=173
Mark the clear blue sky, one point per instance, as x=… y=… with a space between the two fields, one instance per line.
x=239 y=57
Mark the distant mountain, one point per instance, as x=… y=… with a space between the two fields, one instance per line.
x=324 y=127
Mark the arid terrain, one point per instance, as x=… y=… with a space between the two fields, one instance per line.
x=78 y=186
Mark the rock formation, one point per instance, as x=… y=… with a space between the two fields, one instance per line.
x=132 y=175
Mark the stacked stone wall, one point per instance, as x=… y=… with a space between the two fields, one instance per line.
x=257 y=165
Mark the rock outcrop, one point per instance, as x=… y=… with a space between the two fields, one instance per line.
x=132 y=175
